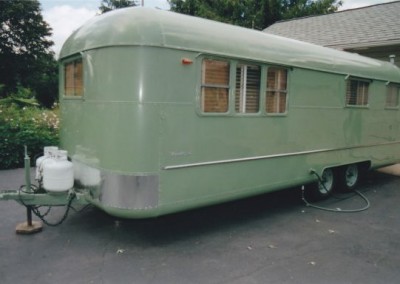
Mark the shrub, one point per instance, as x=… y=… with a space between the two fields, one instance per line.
x=23 y=123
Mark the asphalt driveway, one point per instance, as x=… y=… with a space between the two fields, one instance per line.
x=272 y=238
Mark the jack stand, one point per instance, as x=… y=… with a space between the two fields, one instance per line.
x=28 y=227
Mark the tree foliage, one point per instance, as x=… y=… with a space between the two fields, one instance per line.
x=109 y=5
x=25 y=56
x=257 y=14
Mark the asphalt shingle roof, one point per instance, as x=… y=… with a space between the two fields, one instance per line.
x=368 y=26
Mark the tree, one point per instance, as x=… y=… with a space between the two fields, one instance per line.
x=45 y=83
x=25 y=56
x=257 y=14
x=109 y=5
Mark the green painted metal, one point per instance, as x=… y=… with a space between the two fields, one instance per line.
x=157 y=28
x=44 y=199
x=140 y=117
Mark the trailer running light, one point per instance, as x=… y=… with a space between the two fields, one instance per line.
x=186 y=61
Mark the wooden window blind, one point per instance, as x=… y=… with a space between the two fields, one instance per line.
x=357 y=93
x=215 y=86
x=392 y=96
x=276 y=95
x=73 y=78
x=247 y=92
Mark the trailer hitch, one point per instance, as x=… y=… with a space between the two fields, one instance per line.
x=33 y=199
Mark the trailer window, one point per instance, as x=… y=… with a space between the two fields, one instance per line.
x=276 y=94
x=73 y=78
x=357 y=93
x=247 y=93
x=215 y=86
x=392 y=96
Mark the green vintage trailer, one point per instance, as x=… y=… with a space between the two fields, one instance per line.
x=162 y=112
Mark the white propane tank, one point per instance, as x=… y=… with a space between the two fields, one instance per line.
x=58 y=173
x=77 y=165
x=49 y=153
x=90 y=176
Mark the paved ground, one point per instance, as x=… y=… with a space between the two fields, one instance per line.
x=273 y=238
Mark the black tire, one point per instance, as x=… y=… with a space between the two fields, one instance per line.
x=325 y=186
x=349 y=177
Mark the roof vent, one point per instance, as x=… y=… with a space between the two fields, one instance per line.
x=391 y=58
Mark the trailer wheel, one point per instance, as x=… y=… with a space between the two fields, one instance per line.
x=325 y=186
x=349 y=177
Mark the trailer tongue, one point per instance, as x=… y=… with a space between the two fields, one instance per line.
x=59 y=192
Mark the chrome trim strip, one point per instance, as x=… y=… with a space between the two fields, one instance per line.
x=272 y=156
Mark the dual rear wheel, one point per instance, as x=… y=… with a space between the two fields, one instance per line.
x=344 y=178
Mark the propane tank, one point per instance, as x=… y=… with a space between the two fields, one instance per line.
x=58 y=173
x=77 y=166
x=90 y=175
x=49 y=153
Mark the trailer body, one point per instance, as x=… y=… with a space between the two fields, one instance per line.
x=163 y=112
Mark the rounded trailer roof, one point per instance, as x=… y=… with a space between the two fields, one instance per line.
x=151 y=27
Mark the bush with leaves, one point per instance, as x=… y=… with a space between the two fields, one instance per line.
x=23 y=123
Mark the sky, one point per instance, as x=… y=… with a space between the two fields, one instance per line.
x=65 y=16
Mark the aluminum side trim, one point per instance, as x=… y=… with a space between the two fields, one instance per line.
x=129 y=191
x=190 y=165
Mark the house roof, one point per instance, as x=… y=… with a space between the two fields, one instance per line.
x=370 y=26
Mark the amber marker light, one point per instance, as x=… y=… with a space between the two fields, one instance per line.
x=186 y=61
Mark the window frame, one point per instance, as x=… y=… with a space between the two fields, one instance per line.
x=63 y=82
x=203 y=85
x=234 y=63
x=349 y=79
x=388 y=86
x=242 y=106
x=287 y=91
